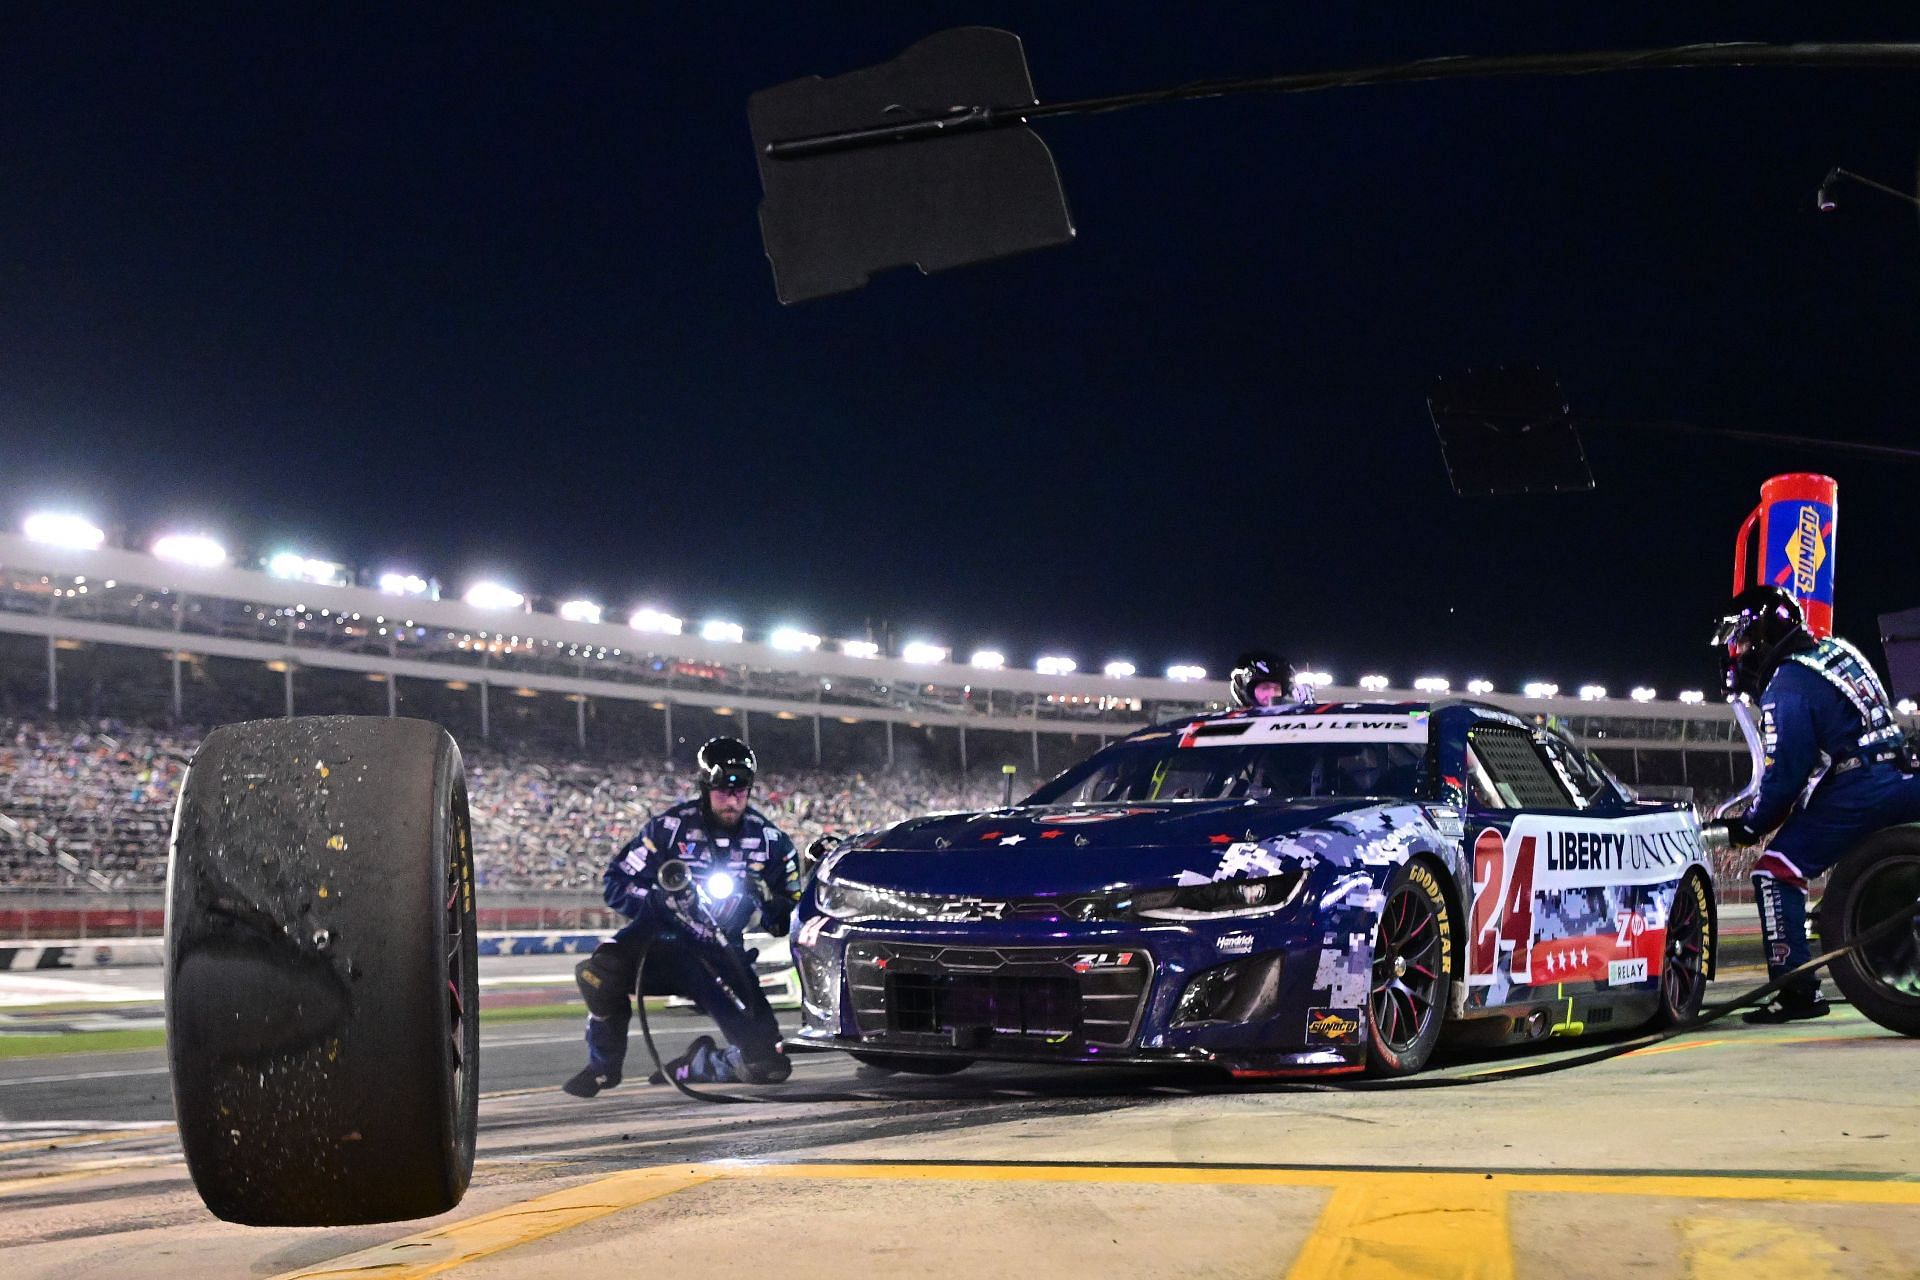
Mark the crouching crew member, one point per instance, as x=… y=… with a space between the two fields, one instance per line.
x=690 y=926
x=1260 y=679
x=1834 y=770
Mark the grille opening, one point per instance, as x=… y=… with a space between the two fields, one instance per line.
x=1004 y=1005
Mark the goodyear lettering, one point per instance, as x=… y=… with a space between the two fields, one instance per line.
x=1422 y=875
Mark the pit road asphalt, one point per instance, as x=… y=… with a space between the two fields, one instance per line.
x=1756 y=1152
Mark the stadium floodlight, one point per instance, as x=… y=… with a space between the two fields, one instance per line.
x=194 y=549
x=722 y=632
x=491 y=595
x=1373 y=684
x=1540 y=689
x=793 y=640
x=402 y=584
x=1906 y=706
x=1592 y=692
x=1119 y=670
x=1692 y=697
x=1054 y=665
x=923 y=652
x=62 y=529
x=1642 y=693
x=1432 y=684
x=988 y=660
x=860 y=648
x=646 y=619
x=1314 y=679
x=1479 y=686
x=298 y=568
x=580 y=611
x=1186 y=671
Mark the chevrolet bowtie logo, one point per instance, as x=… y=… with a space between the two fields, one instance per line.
x=971 y=909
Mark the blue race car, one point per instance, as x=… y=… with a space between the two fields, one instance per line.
x=1299 y=890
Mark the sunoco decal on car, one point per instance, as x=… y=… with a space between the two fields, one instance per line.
x=1305 y=728
x=1333 y=1026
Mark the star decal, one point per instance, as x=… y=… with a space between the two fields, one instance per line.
x=1219 y=839
x=1011 y=839
x=1052 y=835
x=990 y=835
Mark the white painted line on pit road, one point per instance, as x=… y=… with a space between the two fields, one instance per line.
x=160 y=1071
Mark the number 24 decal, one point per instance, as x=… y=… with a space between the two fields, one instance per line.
x=1502 y=907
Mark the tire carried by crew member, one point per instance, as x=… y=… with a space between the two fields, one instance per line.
x=322 y=978
x=1876 y=881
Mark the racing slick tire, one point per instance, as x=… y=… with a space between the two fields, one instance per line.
x=322 y=972
x=1412 y=971
x=912 y=1064
x=1877 y=880
x=1688 y=958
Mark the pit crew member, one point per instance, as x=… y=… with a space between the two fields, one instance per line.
x=692 y=931
x=1834 y=770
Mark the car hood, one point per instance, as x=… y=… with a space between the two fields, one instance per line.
x=1043 y=850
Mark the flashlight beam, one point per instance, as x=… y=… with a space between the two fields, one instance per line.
x=1864 y=56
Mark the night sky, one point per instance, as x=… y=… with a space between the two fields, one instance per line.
x=479 y=289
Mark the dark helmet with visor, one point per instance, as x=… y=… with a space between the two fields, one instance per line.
x=726 y=764
x=1250 y=670
x=1761 y=628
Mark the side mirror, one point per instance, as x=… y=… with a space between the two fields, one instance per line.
x=817 y=848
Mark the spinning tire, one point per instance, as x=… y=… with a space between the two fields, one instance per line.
x=322 y=977
x=1878 y=880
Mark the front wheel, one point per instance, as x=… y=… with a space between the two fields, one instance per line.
x=1412 y=973
x=1688 y=952
x=1877 y=882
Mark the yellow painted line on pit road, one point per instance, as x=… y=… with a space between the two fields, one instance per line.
x=1406 y=1230
x=1682 y=1047
x=83 y=1139
x=1755 y=1249
x=1398 y=1223
x=431 y=1253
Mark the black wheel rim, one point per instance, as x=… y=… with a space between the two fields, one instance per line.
x=1889 y=888
x=1407 y=960
x=1683 y=976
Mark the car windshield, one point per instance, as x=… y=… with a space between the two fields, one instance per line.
x=1167 y=771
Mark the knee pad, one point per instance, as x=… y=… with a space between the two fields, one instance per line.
x=604 y=983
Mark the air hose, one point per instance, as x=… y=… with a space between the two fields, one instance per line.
x=1711 y=1014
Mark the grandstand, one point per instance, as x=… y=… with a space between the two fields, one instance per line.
x=575 y=728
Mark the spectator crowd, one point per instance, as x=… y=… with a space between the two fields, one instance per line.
x=103 y=794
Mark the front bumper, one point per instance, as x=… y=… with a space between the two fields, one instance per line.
x=1085 y=993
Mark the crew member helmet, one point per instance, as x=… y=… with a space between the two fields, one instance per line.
x=726 y=763
x=1251 y=670
x=1761 y=628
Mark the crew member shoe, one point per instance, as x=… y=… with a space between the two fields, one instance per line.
x=589 y=1081
x=1783 y=1008
x=682 y=1066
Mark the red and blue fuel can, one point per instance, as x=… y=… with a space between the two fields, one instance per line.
x=1797 y=519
